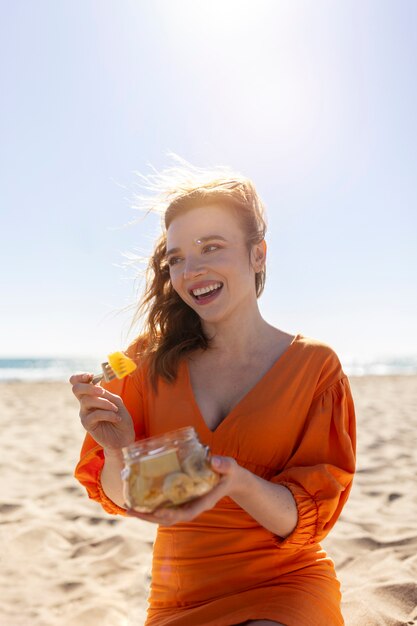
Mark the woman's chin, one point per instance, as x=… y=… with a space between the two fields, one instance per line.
x=215 y=317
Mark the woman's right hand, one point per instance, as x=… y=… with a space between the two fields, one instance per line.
x=103 y=414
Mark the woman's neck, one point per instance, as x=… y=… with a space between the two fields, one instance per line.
x=239 y=338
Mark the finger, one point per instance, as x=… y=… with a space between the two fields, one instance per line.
x=86 y=389
x=112 y=397
x=168 y=517
x=195 y=508
x=186 y=512
x=82 y=377
x=192 y=509
x=222 y=464
x=163 y=517
x=90 y=421
x=146 y=517
x=92 y=402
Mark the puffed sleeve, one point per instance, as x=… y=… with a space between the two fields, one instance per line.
x=320 y=473
x=90 y=465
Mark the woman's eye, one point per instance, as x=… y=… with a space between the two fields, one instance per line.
x=211 y=247
x=174 y=260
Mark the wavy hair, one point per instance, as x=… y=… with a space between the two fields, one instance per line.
x=171 y=328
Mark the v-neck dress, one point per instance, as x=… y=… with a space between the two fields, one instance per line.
x=295 y=427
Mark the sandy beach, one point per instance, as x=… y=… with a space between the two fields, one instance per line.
x=65 y=562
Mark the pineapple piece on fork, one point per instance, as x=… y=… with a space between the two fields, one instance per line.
x=118 y=366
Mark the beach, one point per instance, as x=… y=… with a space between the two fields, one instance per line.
x=65 y=562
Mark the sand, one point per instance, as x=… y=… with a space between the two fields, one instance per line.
x=65 y=562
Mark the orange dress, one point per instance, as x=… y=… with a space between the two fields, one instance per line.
x=295 y=427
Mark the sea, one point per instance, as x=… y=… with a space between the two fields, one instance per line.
x=43 y=369
x=60 y=369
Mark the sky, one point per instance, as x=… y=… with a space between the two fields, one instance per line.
x=314 y=101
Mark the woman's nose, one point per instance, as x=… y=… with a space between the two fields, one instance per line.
x=193 y=267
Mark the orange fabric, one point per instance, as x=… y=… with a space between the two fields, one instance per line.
x=296 y=427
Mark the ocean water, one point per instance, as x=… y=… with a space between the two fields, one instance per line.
x=60 y=369
x=45 y=369
x=381 y=367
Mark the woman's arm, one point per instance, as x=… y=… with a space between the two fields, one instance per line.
x=109 y=427
x=110 y=477
x=273 y=506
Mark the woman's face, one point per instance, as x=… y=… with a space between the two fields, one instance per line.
x=209 y=262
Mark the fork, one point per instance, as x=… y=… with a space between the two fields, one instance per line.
x=118 y=366
x=107 y=374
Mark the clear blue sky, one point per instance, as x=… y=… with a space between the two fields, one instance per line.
x=315 y=101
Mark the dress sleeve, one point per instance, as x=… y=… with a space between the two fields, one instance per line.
x=320 y=473
x=90 y=465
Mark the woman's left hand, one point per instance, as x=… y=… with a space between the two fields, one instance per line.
x=230 y=472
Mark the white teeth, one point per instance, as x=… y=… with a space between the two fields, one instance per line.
x=199 y=292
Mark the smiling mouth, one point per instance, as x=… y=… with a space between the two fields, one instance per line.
x=206 y=293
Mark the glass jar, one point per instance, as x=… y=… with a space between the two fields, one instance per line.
x=167 y=470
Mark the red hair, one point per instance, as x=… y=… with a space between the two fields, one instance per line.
x=171 y=327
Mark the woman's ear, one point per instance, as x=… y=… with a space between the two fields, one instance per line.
x=259 y=255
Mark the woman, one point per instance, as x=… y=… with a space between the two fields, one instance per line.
x=275 y=409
